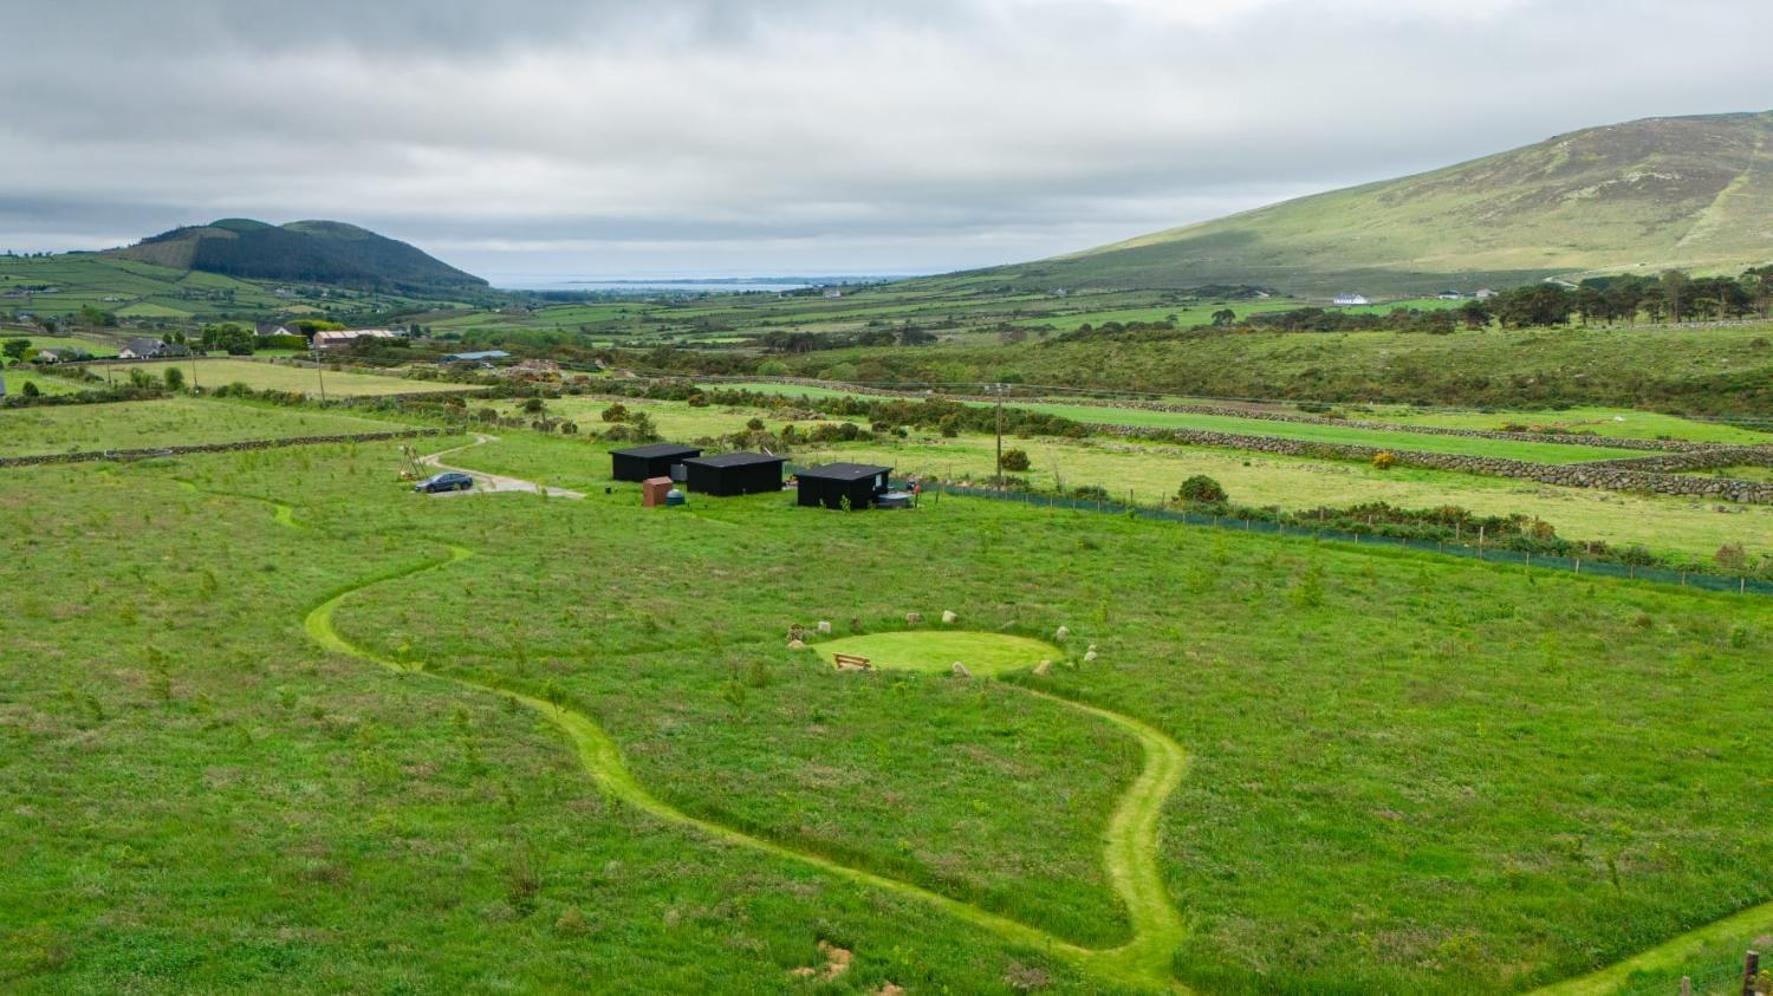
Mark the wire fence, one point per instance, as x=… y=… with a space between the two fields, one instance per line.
x=1476 y=551
x=1725 y=977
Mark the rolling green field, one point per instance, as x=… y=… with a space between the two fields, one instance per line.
x=1150 y=472
x=97 y=346
x=261 y=376
x=167 y=422
x=17 y=378
x=1622 y=423
x=297 y=726
x=1720 y=370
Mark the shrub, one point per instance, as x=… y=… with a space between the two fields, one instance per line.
x=1384 y=460
x=1202 y=490
x=1016 y=460
x=175 y=379
x=534 y=406
x=1731 y=557
x=616 y=412
x=698 y=400
x=31 y=390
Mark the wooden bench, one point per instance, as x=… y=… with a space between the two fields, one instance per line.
x=851 y=662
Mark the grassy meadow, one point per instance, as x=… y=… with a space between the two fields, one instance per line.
x=262 y=376
x=1482 y=779
x=165 y=422
x=1150 y=472
x=17 y=378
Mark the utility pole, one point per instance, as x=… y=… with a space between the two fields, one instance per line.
x=998 y=391
x=320 y=373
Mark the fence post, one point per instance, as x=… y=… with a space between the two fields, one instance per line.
x=1579 y=565
x=1751 y=968
x=1686 y=985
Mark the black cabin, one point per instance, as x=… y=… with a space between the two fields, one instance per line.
x=829 y=485
x=637 y=463
x=735 y=474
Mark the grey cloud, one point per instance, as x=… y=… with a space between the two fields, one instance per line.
x=689 y=136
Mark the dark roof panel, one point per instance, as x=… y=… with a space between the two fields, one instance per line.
x=844 y=471
x=736 y=460
x=654 y=450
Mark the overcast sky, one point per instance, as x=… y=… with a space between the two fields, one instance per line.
x=533 y=139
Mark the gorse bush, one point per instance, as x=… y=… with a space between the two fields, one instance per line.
x=1016 y=460
x=1202 y=490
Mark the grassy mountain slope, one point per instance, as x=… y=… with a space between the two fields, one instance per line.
x=1688 y=192
x=311 y=251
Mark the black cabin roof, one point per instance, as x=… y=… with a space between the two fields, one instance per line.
x=736 y=460
x=652 y=450
x=844 y=471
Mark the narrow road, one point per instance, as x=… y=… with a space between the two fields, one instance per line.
x=485 y=483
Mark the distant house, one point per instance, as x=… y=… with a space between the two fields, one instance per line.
x=833 y=292
x=1485 y=294
x=484 y=357
x=151 y=349
x=269 y=329
x=533 y=369
x=333 y=339
x=1450 y=295
x=61 y=354
x=1346 y=300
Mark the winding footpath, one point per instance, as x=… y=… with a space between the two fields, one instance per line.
x=1130 y=841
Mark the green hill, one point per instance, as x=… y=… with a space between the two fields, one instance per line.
x=1693 y=193
x=328 y=252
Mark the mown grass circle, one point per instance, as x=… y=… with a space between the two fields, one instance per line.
x=936 y=650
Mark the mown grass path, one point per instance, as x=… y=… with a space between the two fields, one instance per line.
x=1131 y=838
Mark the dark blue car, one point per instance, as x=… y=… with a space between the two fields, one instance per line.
x=449 y=480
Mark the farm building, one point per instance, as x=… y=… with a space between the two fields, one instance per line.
x=61 y=354
x=734 y=474
x=151 y=349
x=830 y=484
x=1348 y=300
x=483 y=357
x=345 y=337
x=637 y=463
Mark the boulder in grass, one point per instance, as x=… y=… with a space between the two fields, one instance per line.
x=1090 y=658
x=913 y=618
x=949 y=617
x=796 y=645
x=824 y=627
x=1061 y=633
x=1043 y=667
x=960 y=670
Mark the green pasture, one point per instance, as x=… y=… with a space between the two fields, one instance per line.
x=262 y=376
x=17 y=377
x=298 y=727
x=167 y=422
x=1622 y=423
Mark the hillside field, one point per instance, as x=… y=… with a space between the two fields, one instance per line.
x=261 y=376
